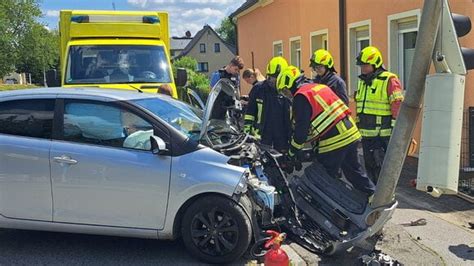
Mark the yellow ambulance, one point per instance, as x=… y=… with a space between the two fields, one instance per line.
x=116 y=49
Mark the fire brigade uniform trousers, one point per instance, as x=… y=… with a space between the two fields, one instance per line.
x=374 y=153
x=347 y=159
x=324 y=120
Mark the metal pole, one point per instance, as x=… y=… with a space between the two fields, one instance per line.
x=342 y=40
x=44 y=78
x=411 y=106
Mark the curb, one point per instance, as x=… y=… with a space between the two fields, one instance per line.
x=295 y=258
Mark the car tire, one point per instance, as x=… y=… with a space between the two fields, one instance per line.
x=216 y=230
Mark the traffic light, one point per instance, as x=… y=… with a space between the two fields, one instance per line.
x=448 y=56
x=439 y=157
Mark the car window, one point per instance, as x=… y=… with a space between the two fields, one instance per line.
x=30 y=118
x=105 y=124
x=179 y=115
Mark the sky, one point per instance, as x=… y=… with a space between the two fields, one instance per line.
x=184 y=15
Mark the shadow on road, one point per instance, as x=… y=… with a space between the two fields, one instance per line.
x=463 y=251
x=410 y=198
x=44 y=248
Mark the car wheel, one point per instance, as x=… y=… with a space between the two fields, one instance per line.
x=216 y=230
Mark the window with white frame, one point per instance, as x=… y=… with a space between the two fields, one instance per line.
x=203 y=67
x=278 y=48
x=295 y=51
x=319 y=40
x=359 y=38
x=403 y=29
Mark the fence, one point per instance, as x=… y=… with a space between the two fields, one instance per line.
x=466 y=173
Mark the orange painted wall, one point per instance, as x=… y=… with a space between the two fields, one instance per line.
x=284 y=19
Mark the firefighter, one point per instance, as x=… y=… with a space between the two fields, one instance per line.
x=268 y=112
x=322 y=119
x=378 y=99
x=323 y=64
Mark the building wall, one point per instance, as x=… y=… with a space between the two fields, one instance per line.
x=282 y=20
x=214 y=60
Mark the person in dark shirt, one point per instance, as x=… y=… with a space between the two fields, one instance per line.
x=230 y=71
x=323 y=64
x=268 y=113
x=252 y=76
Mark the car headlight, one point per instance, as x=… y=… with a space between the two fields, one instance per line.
x=242 y=185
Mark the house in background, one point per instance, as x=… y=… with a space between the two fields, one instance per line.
x=209 y=50
x=177 y=44
x=294 y=29
x=15 y=78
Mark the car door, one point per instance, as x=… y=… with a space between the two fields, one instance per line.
x=25 y=139
x=103 y=171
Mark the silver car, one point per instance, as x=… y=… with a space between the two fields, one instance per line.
x=120 y=163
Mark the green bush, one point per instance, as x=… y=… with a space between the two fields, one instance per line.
x=196 y=81
x=185 y=62
x=200 y=84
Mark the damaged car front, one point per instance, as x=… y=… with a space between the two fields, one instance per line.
x=323 y=214
x=217 y=202
x=222 y=131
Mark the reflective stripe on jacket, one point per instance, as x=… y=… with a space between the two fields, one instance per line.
x=373 y=99
x=328 y=112
x=374 y=114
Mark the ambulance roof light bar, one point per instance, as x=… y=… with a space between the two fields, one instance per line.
x=112 y=18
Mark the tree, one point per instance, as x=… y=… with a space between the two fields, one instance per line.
x=38 y=51
x=196 y=81
x=16 y=19
x=227 y=31
x=186 y=62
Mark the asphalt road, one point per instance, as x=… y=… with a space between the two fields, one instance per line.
x=19 y=247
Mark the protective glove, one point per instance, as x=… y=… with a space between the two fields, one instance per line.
x=248 y=129
x=286 y=164
x=298 y=165
x=256 y=133
x=393 y=122
x=290 y=164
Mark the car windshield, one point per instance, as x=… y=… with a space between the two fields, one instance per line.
x=102 y=64
x=181 y=116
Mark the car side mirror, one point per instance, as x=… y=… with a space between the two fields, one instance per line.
x=158 y=146
x=181 y=77
x=52 y=78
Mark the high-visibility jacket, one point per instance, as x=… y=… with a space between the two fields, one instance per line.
x=331 y=126
x=374 y=115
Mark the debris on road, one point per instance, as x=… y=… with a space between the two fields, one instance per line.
x=419 y=222
x=378 y=258
x=471 y=225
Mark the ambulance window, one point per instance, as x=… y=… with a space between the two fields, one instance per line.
x=115 y=64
